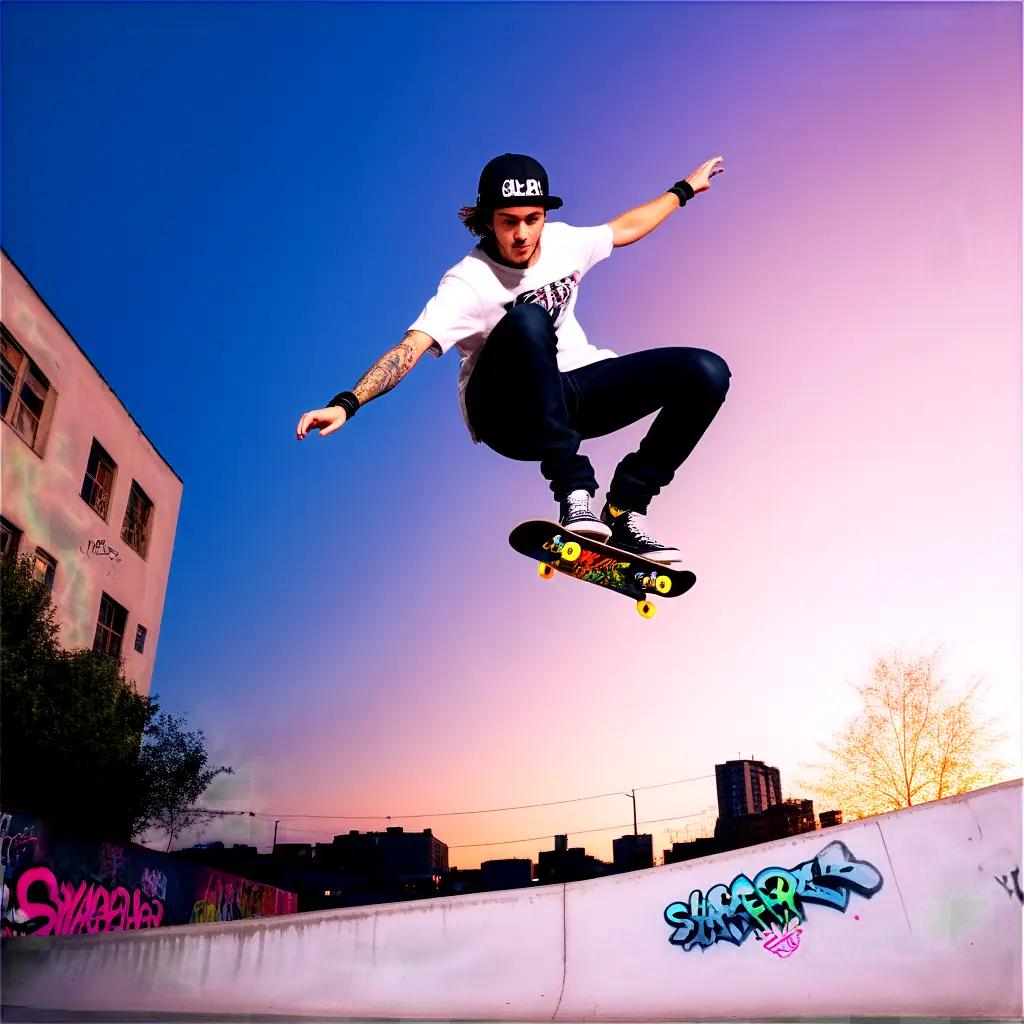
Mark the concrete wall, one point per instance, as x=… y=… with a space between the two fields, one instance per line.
x=42 y=484
x=913 y=913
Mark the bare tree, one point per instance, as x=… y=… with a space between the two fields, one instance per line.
x=913 y=740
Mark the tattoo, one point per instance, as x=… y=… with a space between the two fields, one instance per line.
x=386 y=372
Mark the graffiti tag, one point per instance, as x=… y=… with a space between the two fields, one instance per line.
x=233 y=901
x=100 y=549
x=113 y=861
x=774 y=898
x=47 y=907
x=17 y=848
x=153 y=883
x=1004 y=881
x=784 y=944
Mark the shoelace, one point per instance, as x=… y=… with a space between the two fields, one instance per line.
x=634 y=530
x=579 y=506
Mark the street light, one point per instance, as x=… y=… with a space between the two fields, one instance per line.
x=632 y=796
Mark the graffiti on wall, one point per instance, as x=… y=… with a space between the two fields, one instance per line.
x=74 y=886
x=234 y=899
x=100 y=549
x=1014 y=889
x=49 y=907
x=18 y=848
x=772 y=905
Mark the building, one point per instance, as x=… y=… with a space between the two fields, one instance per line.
x=565 y=864
x=84 y=491
x=830 y=818
x=508 y=873
x=395 y=854
x=779 y=821
x=631 y=853
x=746 y=787
x=703 y=847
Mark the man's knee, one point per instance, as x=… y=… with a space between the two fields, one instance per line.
x=712 y=370
x=718 y=374
x=526 y=321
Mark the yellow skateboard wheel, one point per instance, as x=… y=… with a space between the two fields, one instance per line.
x=646 y=609
x=663 y=584
x=544 y=571
x=571 y=551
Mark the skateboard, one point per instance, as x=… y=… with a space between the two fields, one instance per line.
x=584 y=558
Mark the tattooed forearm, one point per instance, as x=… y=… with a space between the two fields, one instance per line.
x=387 y=371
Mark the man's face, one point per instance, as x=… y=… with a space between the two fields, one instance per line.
x=517 y=232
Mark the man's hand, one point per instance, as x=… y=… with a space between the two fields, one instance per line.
x=700 y=179
x=325 y=420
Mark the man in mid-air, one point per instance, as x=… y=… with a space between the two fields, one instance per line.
x=531 y=386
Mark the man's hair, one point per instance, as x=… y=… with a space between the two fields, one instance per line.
x=475 y=218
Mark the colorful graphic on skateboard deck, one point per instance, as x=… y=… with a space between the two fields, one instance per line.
x=573 y=554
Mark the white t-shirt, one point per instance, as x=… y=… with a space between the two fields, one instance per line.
x=477 y=292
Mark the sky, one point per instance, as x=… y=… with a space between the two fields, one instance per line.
x=236 y=208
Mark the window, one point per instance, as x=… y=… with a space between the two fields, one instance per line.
x=140 y=638
x=99 y=479
x=12 y=359
x=45 y=567
x=110 y=627
x=11 y=537
x=137 y=517
x=23 y=389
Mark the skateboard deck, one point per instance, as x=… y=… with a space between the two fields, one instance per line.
x=584 y=558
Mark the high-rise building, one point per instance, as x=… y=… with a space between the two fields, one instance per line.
x=829 y=819
x=746 y=787
x=84 y=491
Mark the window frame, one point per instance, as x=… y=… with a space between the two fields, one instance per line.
x=24 y=373
x=136 y=492
x=103 y=513
x=14 y=532
x=108 y=630
x=48 y=577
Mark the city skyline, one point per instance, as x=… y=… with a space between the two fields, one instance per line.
x=234 y=222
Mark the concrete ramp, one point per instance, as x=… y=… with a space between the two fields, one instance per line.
x=916 y=913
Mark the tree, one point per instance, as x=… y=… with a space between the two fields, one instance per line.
x=913 y=740
x=80 y=747
x=173 y=761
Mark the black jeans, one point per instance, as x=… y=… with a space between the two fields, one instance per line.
x=521 y=405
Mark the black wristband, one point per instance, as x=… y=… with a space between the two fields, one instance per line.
x=683 y=190
x=347 y=401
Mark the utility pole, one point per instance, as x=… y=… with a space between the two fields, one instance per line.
x=276 y=823
x=632 y=796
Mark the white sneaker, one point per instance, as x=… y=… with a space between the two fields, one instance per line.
x=574 y=514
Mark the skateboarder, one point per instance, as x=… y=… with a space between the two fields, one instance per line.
x=531 y=386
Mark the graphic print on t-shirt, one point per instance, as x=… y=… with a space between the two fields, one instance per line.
x=553 y=297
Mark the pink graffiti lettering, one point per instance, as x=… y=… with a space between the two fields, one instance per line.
x=67 y=909
x=784 y=945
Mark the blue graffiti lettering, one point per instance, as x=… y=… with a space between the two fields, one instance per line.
x=774 y=899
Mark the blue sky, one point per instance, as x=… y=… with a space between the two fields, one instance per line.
x=235 y=208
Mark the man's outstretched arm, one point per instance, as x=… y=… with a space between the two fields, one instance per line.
x=380 y=378
x=634 y=224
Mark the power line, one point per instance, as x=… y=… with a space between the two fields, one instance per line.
x=533 y=839
x=577 y=832
x=450 y=814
